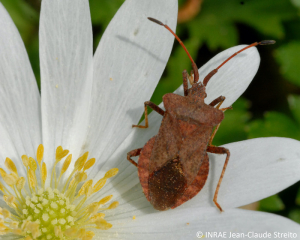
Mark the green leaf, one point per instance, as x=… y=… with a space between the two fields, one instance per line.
x=216 y=22
x=292 y=29
x=24 y=16
x=102 y=11
x=274 y=124
x=294 y=104
x=296 y=3
x=294 y=214
x=288 y=57
x=298 y=197
x=271 y=204
x=214 y=32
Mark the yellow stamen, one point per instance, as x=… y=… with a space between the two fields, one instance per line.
x=32 y=164
x=60 y=153
x=81 y=161
x=89 y=164
x=89 y=235
x=111 y=173
x=11 y=166
x=97 y=216
x=99 y=185
x=5 y=213
x=59 y=150
x=25 y=160
x=10 y=201
x=3 y=173
x=20 y=183
x=31 y=176
x=85 y=186
x=44 y=173
x=105 y=200
x=66 y=164
x=10 y=179
x=46 y=213
x=40 y=154
x=113 y=205
x=2 y=187
x=93 y=208
x=102 y=224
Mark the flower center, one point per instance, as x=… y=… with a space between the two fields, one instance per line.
x=58 y=211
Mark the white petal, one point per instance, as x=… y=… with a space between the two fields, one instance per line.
x=257 y=168
x=129 y=62
x=20 y=120
x=66 y=72
x=234 y=77
x=184 y=224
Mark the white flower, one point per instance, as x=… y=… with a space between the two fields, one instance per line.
x=88 y=103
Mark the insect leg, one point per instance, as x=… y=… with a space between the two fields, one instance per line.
x=186 y=77
x=224 y=109
x=155 y=108
x=185 y=83
x=217 y=100
x=133 y=153
x=213 y=135
x=219 y=150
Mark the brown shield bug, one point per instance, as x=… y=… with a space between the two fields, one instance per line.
x=173 y=165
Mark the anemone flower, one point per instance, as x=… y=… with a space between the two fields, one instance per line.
x=84 y=115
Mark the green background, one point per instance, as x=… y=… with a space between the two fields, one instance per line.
x=269 y=107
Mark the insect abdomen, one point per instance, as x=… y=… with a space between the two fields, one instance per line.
x=166 y=185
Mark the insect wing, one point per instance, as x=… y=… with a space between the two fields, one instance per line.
x=180 y=140
x=193 y=150
x=167 y=143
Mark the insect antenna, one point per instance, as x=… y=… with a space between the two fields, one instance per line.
x=213 y=72
x=195 y=68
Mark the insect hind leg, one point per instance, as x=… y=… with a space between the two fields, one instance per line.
x=219 y=150
x=133 y=153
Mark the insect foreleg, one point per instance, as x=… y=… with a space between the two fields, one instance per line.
x=213 y=135
x=133 y=153
x=219 y=150
x=217 y=127
x=155 y=108
x=217 y=100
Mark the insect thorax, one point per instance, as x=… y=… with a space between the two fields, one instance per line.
x=197 y=90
